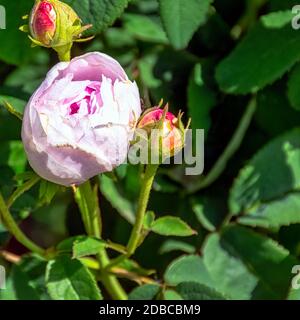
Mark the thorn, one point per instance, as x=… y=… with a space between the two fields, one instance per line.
x=84 y=39
x=161 y=102
x=24 y=28
x=10 y=257
x=35 y=42
x=160 y=124
x=82 y=29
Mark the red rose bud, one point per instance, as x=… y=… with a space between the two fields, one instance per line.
x=169 y=129
x=43 y=22
x=54 y=24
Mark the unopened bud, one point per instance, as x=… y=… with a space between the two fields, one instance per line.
x=54 y=24
x=43 y=22
x=157 y=121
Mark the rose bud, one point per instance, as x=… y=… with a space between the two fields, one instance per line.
x=164 y=130
x=54 y=24
x=80 y=121
x=43 y=22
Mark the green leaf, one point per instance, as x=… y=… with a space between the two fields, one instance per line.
x=13 y=155
x=263 y=56
x=268 y=182
x=227 y=269
x=17 y=45
x=69 y=279
x=35 y=267
x=66 y=245
x=149 y=219
x=87 y=246
x=197 y=272
x=201 y=99
x=146 y=66
x=209 y=210
x=182 y=18
x=18 y=286
x=197 y=291
x=144 y=28
x=144 y=292
x=246 y=265
x=26 y=280
x=281 y=173
x=273 y=215
x=22 y=189
x=101 y=14
x=172 y=226
x=172 y=295
x=117 y=200
x=27 y=78
x=53 y=217
x=273 y=100
x=277 y=19
x=175 y=245
x=294 y=295
x=17 y=157
x=293 y=87
x=119 y=38
x=83 y=245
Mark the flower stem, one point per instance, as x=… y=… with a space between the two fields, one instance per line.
x=142 y=207
x=87 y=200
x=134 y=239
x=14 y=229
x=19 y=191
x=110 y=281
x=64 y=53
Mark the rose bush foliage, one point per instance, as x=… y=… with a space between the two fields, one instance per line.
x=232 y=232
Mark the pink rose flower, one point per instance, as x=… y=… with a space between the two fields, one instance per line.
x=81 y=119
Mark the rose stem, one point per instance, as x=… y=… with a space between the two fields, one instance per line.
x=133 y=242
x=64 y=56
x=87 y=200
x=14 y=229
x=146 y=186
x=64 y=52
